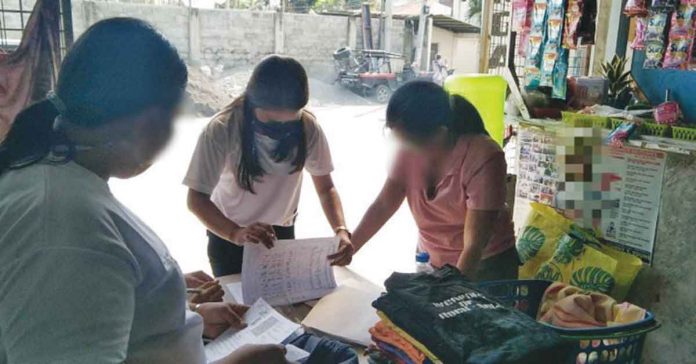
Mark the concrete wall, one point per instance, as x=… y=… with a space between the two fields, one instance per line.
x=667 y=288
x=238 y=38
x=460 y=50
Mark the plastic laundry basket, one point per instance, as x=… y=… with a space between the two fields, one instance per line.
x=616 y=345
x=487 y=94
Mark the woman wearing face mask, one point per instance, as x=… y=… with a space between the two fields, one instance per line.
x=245 y=175
x=453 y=176
x=83 y=279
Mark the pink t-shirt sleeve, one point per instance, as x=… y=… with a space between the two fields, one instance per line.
x=485 y=188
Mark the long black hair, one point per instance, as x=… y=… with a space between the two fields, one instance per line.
x=277 y=83
x=421 y=108
x=118 y=68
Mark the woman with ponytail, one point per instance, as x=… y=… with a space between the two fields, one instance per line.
x=82 y=279
x=245 y=175
x=453 y=176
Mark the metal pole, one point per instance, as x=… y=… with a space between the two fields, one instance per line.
x=66 y=13
x=486 y=13
x=422 y=24
x=387 y=25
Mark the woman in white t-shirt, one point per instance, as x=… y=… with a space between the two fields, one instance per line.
x=82 y=279
x=245 y=175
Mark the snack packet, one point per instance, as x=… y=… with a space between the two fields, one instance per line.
x=639 y=39
x=635 y=8
x=572 y=20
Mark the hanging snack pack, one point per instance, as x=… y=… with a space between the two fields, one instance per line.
x=560 y=75
x=522 y=22
x=535 y=44
x=655 y=39
x=572 y=20
x=681 y=37
x=641 y=28
x=636 y=8
x=552 y=49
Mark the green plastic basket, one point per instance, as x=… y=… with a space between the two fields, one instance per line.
x=650 y=128
x=684 y=133
x=583 y=119
x=615 y=123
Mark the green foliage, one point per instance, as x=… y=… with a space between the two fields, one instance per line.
x=530 y=242
x=593 y=279
x=619 y=79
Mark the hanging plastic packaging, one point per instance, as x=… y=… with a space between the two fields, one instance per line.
x=654 y=39
x=535 y=46
x=560 y=75
x=639 y=39
x=572 y=20
x=681 y=38
x=636 y=8
x=552 y=75
x=522 y=22
x=662 y=4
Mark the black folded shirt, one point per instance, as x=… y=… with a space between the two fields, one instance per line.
x=460 y=324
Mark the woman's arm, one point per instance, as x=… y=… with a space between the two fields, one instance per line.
x=200 y=204
x=330 y=201
x=384 y=207
x=333 y=209
x=478 y=229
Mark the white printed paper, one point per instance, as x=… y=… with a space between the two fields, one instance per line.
x=264 y=326
x=639 y=187
x=235 y=290
x=292 y=271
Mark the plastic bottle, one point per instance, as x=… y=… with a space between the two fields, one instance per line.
x=423 y=263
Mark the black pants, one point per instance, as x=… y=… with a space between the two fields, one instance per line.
x=226 y=257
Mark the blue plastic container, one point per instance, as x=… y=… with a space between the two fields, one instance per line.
x=614 y=345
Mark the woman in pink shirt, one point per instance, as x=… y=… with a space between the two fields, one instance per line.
x=453 y=176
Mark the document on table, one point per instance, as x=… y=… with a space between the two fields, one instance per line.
x=264 y=326
x=292 y=271
x=346 y=313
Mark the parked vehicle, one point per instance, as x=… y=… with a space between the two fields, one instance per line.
x=374 y=73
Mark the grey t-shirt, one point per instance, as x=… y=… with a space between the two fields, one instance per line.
x=83 y=280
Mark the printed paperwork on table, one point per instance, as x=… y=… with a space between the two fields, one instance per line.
x=292 y=271
x=264 y=326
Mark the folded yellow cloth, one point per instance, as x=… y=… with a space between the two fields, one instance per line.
x=568 y=306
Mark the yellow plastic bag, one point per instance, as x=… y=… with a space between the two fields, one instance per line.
x=580 y=265
x=539 y=238
x=627 y=268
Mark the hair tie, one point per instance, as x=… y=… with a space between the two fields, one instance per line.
x=52 y=96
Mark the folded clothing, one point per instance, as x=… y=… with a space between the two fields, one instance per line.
x=460 y=324
x=567 y=306
x=416 y=344
x=323 y=350
x=382 y=333
x=394 y=353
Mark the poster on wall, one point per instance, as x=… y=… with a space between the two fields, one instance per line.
x=636 y=177
x=638 y=187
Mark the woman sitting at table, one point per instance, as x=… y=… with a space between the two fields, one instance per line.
x=82 y=279
x=245 y=175
x=453 y=176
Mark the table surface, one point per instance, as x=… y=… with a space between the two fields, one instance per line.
x=298 y=312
